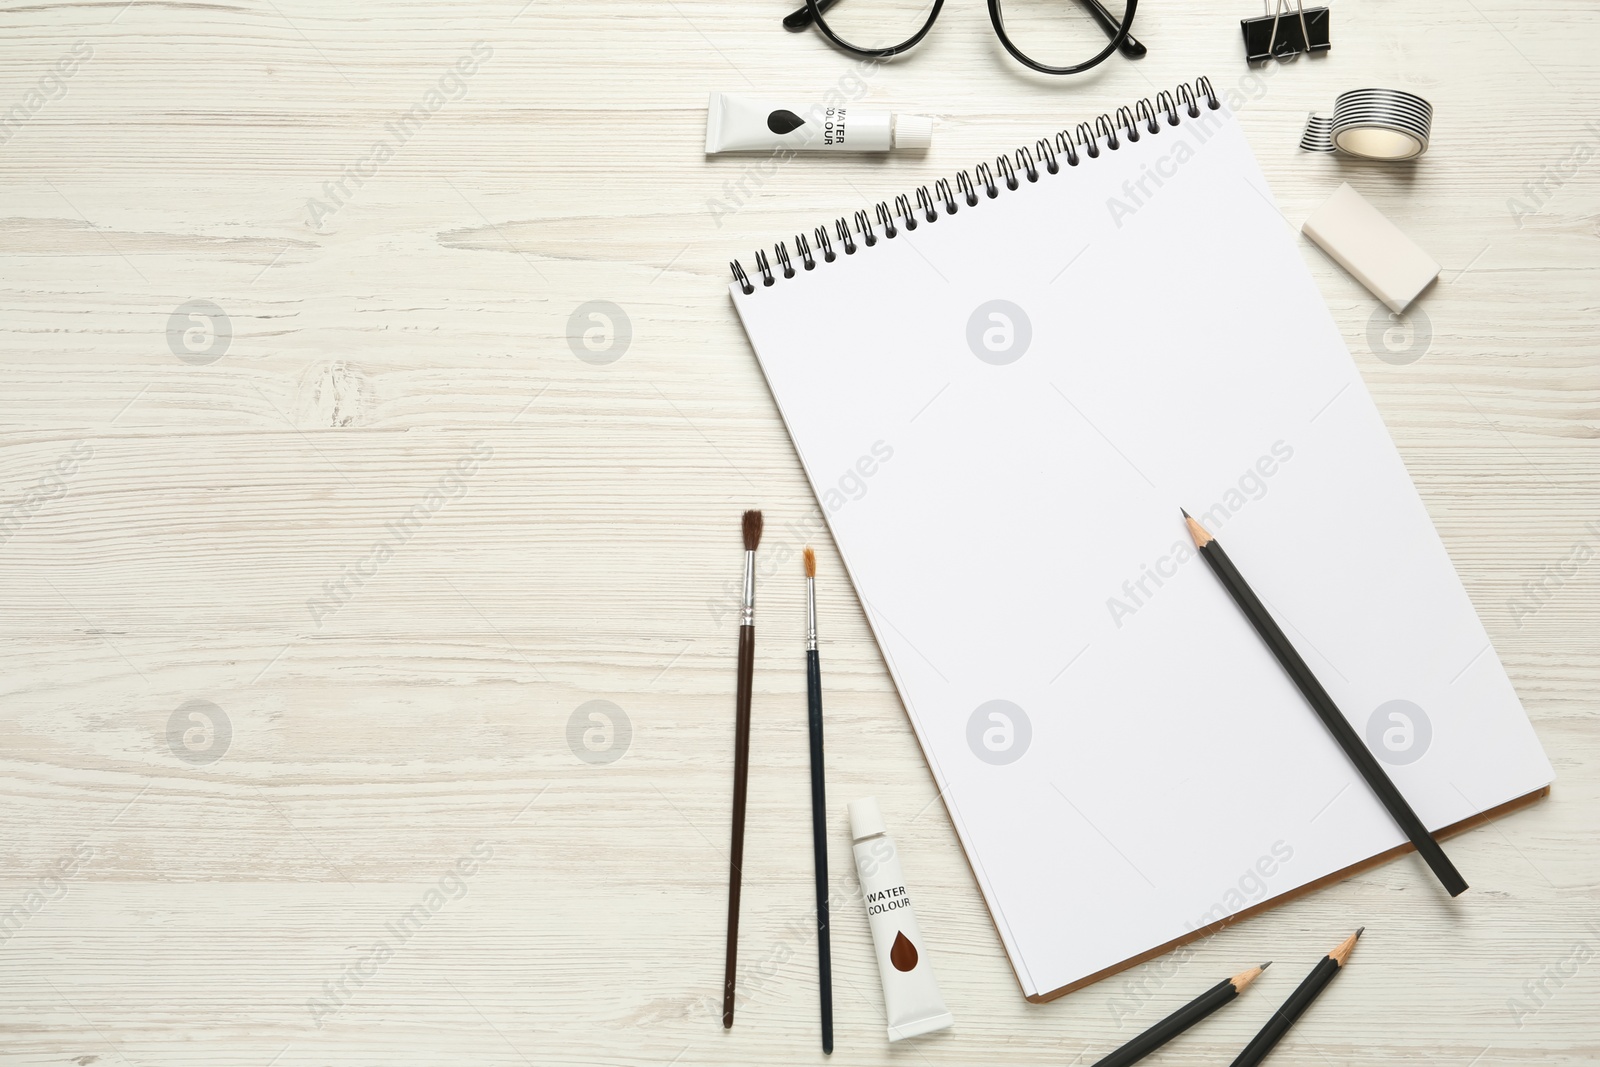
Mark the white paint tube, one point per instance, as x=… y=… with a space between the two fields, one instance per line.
x=910 y=993
x=737 y=123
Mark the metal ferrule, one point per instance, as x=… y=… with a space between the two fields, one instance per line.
x=748 y=616
x=811 y=614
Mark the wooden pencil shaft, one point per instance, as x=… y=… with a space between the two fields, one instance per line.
x=819 y=843
x=1355 y=748
x=1285 y=1016
x=1173 y=1025
x=741 y=781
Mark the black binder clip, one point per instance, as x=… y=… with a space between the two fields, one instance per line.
x=1274 y=36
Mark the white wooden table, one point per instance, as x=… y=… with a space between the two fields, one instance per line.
x=369 y=506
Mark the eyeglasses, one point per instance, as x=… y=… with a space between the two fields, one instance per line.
x=1051 y=29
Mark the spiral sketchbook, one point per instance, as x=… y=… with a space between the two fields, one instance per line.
x=1003 y=386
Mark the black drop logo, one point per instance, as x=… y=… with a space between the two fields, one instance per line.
x=781 y=122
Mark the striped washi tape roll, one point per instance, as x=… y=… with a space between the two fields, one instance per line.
x=1386 y=124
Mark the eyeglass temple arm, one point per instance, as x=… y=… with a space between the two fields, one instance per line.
x=1108 y=22
x=801 y=20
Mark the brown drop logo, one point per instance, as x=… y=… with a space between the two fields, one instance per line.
x=903 y=954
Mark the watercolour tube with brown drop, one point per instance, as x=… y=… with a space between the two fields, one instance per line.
x=910 y=993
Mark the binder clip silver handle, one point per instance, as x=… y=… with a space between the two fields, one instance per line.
x=1271 y=36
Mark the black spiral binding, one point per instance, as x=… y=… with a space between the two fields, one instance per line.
x=1126 y=124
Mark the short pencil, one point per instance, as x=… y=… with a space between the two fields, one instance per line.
x=1324 y=972
x=1180 y=1020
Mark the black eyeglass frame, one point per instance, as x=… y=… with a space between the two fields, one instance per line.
x=812 y=14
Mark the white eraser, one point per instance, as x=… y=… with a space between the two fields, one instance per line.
x=1364 y=242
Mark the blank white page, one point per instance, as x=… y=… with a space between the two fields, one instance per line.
x=1012 y=530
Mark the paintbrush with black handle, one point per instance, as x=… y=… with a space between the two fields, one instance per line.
x=819 y=803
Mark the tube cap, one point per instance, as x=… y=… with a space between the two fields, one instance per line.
x=865 y=818
x=913 y=131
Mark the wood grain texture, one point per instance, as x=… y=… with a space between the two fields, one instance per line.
x=415 y=741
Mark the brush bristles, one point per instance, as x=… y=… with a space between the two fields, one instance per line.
x=811 y=562
x=752 y=530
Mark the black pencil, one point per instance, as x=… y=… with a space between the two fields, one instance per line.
x=1182 y=1019
x=1377 y=779
x=751 y=529
x=819 y=803
x=1296 y=1005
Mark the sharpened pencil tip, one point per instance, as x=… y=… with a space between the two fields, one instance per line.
x=1341 y=955
x=1264 y=966
x=1241 y=982
x=1184 y=513
x=1361 y=931
x=1202 y=537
